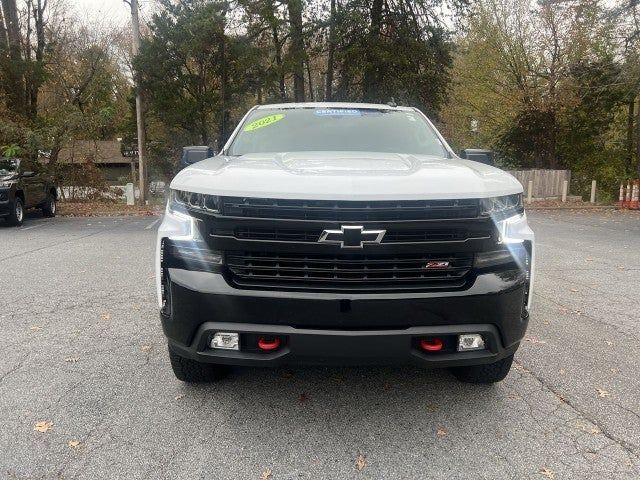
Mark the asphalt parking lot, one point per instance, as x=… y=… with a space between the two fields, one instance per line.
x=82 y=350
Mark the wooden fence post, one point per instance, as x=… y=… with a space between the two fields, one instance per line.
x=565 y=187
x=529 y=191
x=593 y=191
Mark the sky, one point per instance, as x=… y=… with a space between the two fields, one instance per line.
x=116 y=11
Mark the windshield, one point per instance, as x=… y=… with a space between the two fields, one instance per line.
x=8 y=166
x=336 y=129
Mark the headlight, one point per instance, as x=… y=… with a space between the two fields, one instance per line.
x=180 y=200
x=504 y=206
x=515 y=253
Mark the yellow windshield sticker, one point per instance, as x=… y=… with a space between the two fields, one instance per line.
x=263 y=122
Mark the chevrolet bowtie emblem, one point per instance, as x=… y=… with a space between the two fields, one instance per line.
x=351 y=236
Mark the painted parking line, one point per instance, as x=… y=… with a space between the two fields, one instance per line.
x=148 y=227
x=32 y=226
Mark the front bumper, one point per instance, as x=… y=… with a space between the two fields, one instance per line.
x=344 y=329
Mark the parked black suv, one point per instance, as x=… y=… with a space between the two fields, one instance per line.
x=22 y=187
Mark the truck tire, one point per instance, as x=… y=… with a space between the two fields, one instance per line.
x=489 y=373
x=49 y=206
x=190 y=371
x=16 y=216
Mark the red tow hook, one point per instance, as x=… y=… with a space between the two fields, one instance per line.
x=431 y=345
x=268 y=345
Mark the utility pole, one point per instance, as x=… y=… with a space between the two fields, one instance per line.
x=142 y=134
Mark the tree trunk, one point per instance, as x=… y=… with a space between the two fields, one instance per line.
x=4 y=45
x=297 y=50
x=371 y=80
x=224 y=79
x=37 y=70
x=638 y=138
x=328 y=94
x=278 y=49
x=310 y=80
x=13 y=69
x=630 y=119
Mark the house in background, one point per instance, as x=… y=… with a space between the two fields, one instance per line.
x=105 y=154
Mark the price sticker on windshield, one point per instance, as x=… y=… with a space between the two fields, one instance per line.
x=263 y=122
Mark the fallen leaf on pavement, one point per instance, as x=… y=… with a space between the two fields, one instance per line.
x=574 y=290
x=43 y=427
x=35 y=328
x=360 y=462
x=534 y=340
x=441 y=432
x=608 y=342
x=105 y=316
x=71 y=359
x=74 y=443
x=602 y=393
x=585 y=427
x=145 y=348
x=179 y=396
x=266 y=475
x=431 y=407
x=547 y=473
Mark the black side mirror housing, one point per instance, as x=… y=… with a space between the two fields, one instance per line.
x=479 y=155
x=195 y=153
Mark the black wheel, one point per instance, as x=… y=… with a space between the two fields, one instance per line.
x=489 y=373
x=190 y=371
x=16 y=216
x=49 y=206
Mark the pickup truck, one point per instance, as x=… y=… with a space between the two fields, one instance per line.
x=343 y=234
x=22 y=188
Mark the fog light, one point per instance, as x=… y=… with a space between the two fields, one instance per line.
x=225 y=341
x=470 y=341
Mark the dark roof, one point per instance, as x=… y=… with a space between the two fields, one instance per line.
x=99 y=151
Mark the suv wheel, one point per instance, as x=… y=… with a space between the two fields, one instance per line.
x=49 y=206
x=489 y=373
x=190 y=371
x=16 y=216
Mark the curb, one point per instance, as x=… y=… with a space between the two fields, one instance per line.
x=594 y=207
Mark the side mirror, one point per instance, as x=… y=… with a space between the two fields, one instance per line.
x=195 y=153
x=28 y=173
x=478 y=155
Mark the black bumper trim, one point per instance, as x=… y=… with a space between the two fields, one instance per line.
x=344 y=347
x=198 y=301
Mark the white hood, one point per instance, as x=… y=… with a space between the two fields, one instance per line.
x=345 y=176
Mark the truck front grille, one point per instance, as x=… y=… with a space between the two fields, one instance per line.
x=348 y=271
x=405 y=235
x=350 y=211
x=274 y=244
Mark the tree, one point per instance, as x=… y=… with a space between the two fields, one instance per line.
x=545 y=83
x=297 y=49
x=194 y=71
x=12 y=61
x=395 y=49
